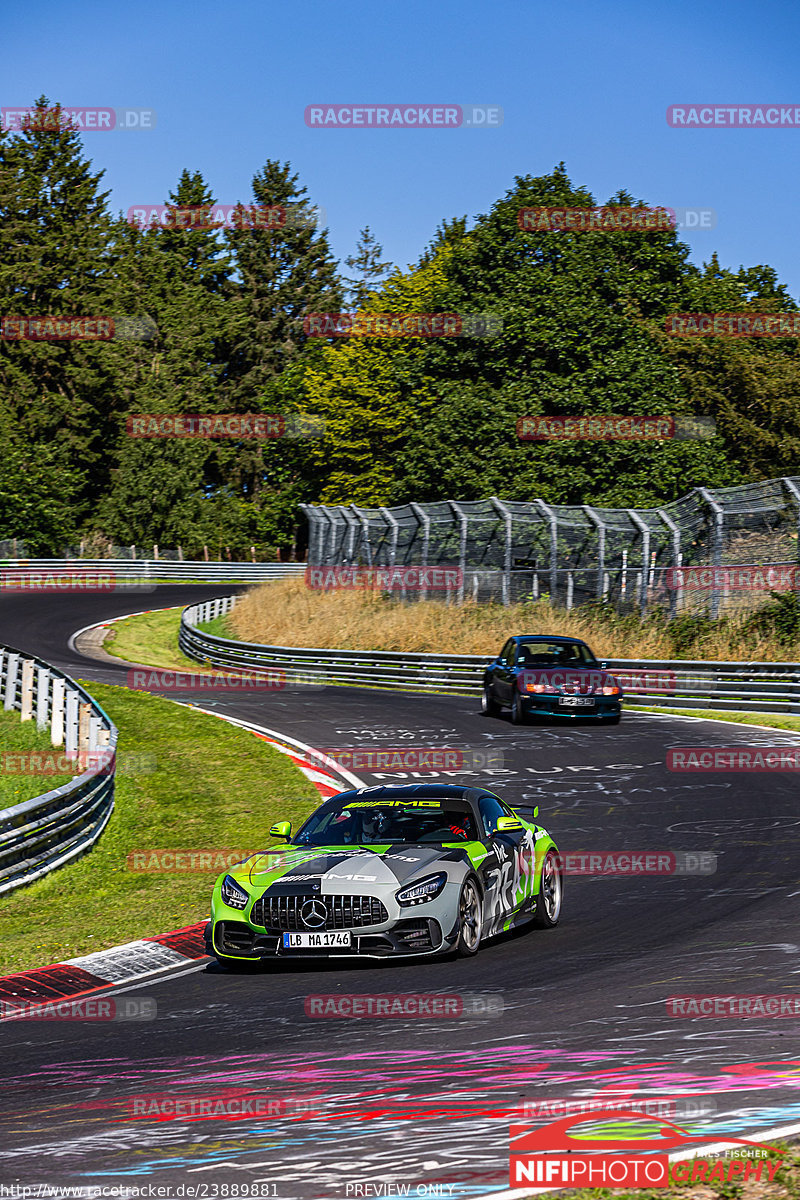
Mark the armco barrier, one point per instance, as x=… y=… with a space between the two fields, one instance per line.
x=43 y=833
x=157 y=570
x=743 y=687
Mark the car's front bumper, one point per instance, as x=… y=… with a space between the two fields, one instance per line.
x=410 y=938
x=549 y=706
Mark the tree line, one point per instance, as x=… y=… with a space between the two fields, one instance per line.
x=577 y=328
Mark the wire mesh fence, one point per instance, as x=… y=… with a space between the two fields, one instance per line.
x=714 y=550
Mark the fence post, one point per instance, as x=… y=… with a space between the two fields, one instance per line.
x=462 y=546
x=792 y=489
x=351 y=533
x=676 y=593
x=719 y=522
x=507 y=520
x=425 y=522
x=645 y=532
x=364 y=533
x=600 y=526
x=552 y=520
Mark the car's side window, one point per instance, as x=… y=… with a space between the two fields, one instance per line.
x=491 y=811
x=512 y=653
x=504 y=653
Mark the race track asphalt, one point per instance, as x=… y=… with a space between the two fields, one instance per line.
x=424 y=1103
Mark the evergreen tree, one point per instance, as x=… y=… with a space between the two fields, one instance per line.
x=369 y=271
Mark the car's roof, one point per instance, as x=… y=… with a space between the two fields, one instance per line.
x=416 y=791
x=547 y=637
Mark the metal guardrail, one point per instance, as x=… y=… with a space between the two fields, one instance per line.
x=672 y=683
x=41 y=834
x=156 y=570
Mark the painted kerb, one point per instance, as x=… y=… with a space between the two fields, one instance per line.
x=52 y=829
x=739 y=686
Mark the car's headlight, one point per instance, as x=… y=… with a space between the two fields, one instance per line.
x=610 y=691
x=541 y=687
x=232 y=894
x=424 y=890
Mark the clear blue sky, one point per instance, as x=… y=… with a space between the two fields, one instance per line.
x=586 y=82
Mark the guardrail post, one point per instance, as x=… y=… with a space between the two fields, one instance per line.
x=42 y=697
x=84 y=717
x=71 y=722
x=57 y=713
x=11 y=673
x=26 y=690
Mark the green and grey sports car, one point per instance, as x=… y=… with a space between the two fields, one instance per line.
x=408 y=870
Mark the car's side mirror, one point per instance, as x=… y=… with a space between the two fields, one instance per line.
x=507 y=824
x=281 y=830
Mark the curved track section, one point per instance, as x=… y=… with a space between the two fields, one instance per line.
x=419 y=1102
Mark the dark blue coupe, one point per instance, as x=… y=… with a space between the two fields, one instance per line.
x=537 y=675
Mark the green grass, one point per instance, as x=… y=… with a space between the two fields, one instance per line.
x=219 y=627
x=151 y=638
x=18 y=737
x=215 y=787
x=773 y=720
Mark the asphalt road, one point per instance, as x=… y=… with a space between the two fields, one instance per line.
x=425 y=1103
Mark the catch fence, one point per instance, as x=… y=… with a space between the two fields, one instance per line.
x=508 y=551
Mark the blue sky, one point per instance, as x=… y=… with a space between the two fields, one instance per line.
x=583 y=82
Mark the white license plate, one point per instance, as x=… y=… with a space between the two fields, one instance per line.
x=317 y=941
x=576 y=701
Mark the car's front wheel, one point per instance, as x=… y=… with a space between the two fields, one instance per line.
x=551 y=890
x=517 y=711
x=489 y=706
x=470 y=918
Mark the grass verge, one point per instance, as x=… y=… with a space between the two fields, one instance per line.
x=215 y=787
x=150 y=638
x=18 y=737
x=772 y=720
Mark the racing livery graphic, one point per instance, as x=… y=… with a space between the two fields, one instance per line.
x=413 y=869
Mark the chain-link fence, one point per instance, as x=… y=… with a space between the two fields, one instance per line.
x=712 y=550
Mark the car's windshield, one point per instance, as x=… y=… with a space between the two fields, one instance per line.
x=361 y=822
x=555 y=654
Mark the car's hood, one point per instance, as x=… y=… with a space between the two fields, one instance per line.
x=388 y=864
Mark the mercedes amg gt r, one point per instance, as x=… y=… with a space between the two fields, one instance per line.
x=407 y=870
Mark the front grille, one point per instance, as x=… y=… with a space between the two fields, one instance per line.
x=282 y=913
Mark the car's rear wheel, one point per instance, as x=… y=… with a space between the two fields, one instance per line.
x=470 y=918
x=517 y=711
x=613 y=720
x=489 y=706
x=551 y=890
